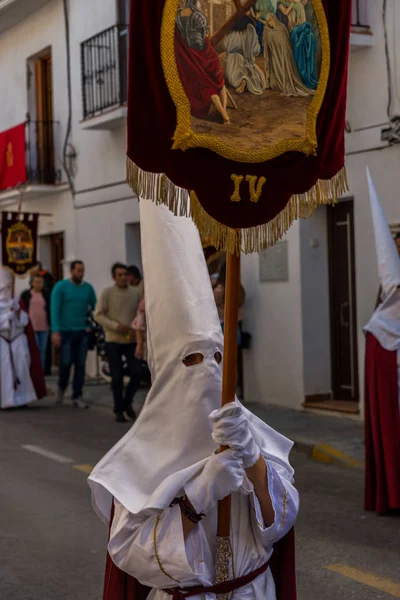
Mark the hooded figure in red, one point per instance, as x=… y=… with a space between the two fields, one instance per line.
x=382 y=374
x=163 y=480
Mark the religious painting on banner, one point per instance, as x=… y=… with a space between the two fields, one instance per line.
x=19 y=241
x=249 y=88
x=242 y=104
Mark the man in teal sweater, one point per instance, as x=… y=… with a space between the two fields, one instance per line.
x=71 y=301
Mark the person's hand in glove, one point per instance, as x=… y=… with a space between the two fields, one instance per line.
x=231 y=429
x=222 y=475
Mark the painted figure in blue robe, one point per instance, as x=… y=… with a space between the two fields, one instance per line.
x=303 y=42
x=259 y=24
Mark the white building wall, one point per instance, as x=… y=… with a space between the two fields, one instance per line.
x=273 y=365
x=102 y=237
x=315 y=314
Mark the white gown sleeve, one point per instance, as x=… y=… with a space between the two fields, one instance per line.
x=5 y=317
x=285 y=502
x=153 y=550
x=23 y=319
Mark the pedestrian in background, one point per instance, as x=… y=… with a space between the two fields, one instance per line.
x=48 y=279
x=48 y=284
x=135 y=279
x=116 y=309
x=71 y=300
x=36 y=302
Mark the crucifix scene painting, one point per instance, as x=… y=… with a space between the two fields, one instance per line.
x=249 y=68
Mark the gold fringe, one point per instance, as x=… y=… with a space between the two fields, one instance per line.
x=157 y=187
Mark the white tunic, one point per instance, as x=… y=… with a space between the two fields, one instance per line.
x=12 y=328
x=150 y=546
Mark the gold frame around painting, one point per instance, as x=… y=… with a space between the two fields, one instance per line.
x=185 y=137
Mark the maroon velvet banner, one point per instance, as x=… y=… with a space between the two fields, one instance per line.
x=246 y=116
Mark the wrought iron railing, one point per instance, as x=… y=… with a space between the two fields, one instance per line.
x=104 y=63
x=41 y=139
x=360 y=14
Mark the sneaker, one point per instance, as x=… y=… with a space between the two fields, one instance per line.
x=119 y=417
x=131 y=413
x=60 y=397
x=79 y=403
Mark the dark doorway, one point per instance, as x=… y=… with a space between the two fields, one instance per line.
x=57 y=255
x=44 y=119
x=343 y=301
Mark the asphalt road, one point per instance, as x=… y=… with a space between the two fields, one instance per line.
x=53 y=546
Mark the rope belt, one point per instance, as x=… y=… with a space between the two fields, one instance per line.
x=16 y=381
x=226 y=587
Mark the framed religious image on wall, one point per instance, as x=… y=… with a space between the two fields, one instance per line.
x=248 y=77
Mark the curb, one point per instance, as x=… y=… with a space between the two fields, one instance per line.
x=327 y=454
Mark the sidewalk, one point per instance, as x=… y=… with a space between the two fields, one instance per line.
x=332 y=439
x=337 y=440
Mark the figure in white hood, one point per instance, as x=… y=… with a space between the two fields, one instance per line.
x=16 y=387
x=382 y=373
x=163 y=479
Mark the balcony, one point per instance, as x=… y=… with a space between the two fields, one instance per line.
x=14 y=11
x=361 y=35
x=104 y=60
x=43 y=169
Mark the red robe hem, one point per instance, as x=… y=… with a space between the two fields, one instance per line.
x=382 y=429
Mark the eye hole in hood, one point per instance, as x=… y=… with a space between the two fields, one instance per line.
x=193 y=359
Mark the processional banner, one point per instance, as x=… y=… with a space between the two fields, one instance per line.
x=242 y=103
x=19 y=233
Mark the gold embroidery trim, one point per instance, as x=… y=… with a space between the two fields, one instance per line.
x=157 y=187
x=284 y=510
x=185 y=137
x=156 y=552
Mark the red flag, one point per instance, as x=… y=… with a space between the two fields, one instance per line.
x=12 y=157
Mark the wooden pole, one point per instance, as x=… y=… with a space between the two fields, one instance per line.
x=232 y=286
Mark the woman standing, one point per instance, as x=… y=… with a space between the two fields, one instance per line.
x=37 y=304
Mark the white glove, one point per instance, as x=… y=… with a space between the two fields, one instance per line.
x=222 y=475
x=231 y=428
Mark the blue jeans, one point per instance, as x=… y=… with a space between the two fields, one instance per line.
x=73 y=351
x=115 y=352
x=42 y=337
